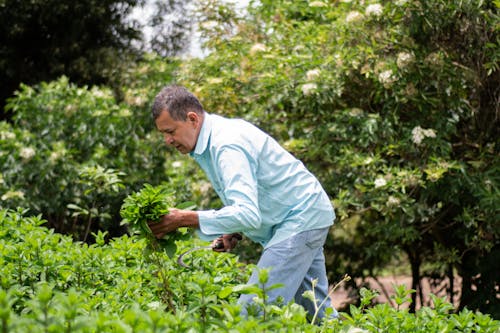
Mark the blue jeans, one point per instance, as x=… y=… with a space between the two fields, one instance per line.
x=295 y=262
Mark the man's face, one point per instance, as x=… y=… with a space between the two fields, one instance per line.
x=180 y=134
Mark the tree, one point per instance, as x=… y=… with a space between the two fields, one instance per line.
x=394 y=105
x=88 y=41
x=172 y=26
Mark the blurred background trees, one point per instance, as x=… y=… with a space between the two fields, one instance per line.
x=91 y=42
x=394 y=105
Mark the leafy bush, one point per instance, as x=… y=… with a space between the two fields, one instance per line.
x=49 y=283
x=60 y=132
x=394 y=106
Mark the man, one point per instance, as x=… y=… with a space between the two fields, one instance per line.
x=268 y=195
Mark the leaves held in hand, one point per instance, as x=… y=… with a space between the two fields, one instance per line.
x=149 y=205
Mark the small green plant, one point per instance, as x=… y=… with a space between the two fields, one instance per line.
x=96 y=182
x=311 y=295
x=149 y=205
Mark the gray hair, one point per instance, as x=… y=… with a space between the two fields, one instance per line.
x=177 y=101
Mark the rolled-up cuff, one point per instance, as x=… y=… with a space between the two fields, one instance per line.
x=208 y=229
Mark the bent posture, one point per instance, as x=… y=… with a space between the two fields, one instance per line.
x=268 y=195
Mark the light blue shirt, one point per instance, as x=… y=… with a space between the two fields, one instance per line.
x=268 y=194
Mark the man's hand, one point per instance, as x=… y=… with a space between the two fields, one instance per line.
x=229 y=241
x=175 y=219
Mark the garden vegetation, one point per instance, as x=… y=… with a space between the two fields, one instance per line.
x=394 y=105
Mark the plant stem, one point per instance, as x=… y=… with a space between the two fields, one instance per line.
x=345 y=279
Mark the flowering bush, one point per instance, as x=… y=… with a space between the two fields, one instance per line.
x=59 y=130
x=394 y=106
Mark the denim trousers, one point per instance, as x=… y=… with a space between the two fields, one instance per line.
x=295 y=262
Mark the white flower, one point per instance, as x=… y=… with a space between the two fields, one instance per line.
x=374 y=9
x=356 y=112
x=309 y=88
x=404 y=59
x=136 y=100
x=258 y=47
x=418 y=134
x=27 y=153
x=312 y=74
x=317 y=4
x=176 y=164
x=13 y=195
x=393 y=201
x=99 y=93
x=354 y=16
x=379 y=182
x=429 y=133
x=54 y=156
x=125 y=112
x=368 y=161
x=386 y=78
x=7 y=135
x=155 y=305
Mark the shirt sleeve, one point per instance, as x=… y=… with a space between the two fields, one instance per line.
x=236 y=170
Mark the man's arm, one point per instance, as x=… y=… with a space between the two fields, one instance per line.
x=172 y=221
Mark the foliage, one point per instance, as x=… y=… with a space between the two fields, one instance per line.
x=49 y=283
x=72 y=145
x=394 y=106
x=89 y=41
x=149 y=205
x=172 y=27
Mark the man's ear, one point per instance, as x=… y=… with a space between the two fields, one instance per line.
x=193 y=117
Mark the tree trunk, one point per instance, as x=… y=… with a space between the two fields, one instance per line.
x=415 y=275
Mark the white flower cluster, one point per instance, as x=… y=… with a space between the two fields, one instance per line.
x=418 y=134
x=404 y=59
x=380 y=182
x=13 y=195
x=393 y=201
x=310 y=87
x=374 y=10
x=317 y=4
x=257 y=47
x=312 y=74
x=176 y=164
x=354 y=16
x=387 y=78
x=27 y=153
x=4 y=135
x=101 y=93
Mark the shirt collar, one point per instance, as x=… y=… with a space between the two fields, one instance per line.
x=203 y=137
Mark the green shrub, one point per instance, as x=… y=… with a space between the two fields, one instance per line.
x=49 y=283
x=394 y=106
x=60 y=132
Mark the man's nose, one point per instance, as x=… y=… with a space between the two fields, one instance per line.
x=169 y=140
